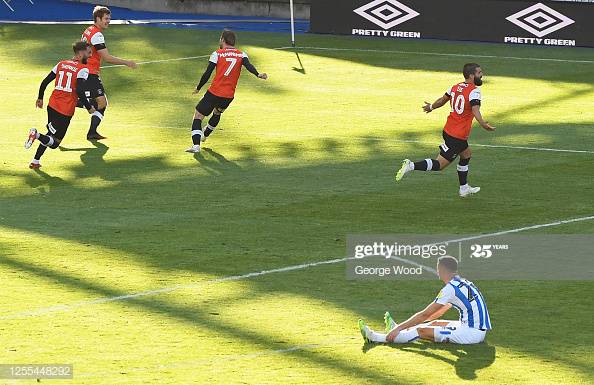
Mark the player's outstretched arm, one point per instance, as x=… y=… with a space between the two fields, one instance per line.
x=415 y=320
x=205 y=76
x=44 y=83
x=105 y=55
x=428 y=107
x=476 y=110
x=250 y=67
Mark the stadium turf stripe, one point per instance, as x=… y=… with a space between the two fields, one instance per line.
x=165 y=290
x=434 y=54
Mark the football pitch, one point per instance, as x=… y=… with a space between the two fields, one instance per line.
x=139 y=263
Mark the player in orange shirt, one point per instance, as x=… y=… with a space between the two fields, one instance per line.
x=96 y=93
x=70 y=84
x=228 y=62
x=465 y=101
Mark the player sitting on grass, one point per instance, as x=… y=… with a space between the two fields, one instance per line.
x=70 y=76
x=228 y=62
x=458 y=292
x=465 y=100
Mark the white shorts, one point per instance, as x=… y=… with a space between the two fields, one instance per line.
x=459 y=333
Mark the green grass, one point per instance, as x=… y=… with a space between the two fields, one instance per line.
x=300 y=161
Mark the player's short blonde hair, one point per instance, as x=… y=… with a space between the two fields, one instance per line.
x=100 y=11
x=449 y=263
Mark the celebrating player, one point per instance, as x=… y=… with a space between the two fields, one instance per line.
x=70 y=86
x=465 y=100
x=227 y=61
x=94 y=36
x=458 y=292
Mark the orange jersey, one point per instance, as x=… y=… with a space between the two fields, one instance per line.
x=228 y=63
x=462 y=97
x=64 y=97
x=94 y=37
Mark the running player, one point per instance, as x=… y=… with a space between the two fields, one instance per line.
x=94 y=36
x=471 y=328
x=465 y=100
x=227 y=61
x=70 y=85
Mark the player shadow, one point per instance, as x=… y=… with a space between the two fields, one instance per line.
x=214 y=162
x=45 y=179
x=468 y=358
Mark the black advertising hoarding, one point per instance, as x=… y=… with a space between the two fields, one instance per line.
x=548 y=23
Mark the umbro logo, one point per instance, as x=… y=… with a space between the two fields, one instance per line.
x=386 y=13
x=540 y=20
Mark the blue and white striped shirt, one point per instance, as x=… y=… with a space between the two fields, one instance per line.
x=466 y=297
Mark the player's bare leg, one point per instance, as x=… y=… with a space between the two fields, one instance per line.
x=213 y=122
x=197 y=133
x=96 y=118
x=423 y=165
x=465 y=188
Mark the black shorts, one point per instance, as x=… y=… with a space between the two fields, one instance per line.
x=451 y=147
x=57 y=124
x=94 y=87
x=210 y=101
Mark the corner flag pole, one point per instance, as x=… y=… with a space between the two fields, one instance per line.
x=292 y=24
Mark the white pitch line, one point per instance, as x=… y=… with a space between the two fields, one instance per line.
x=438 y=143
x=493 y=146
x=159 y=61
x=52 y=309
x=436 y=54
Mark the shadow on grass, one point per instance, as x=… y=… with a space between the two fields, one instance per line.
x=267 y=217
x=468 y=358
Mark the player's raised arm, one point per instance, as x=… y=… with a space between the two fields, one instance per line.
x=105 y=55
x=250 y=67
x=44 y=83
x=476 y=110
x=428 y=107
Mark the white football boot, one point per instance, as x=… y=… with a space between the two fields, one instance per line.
x=468 y=190
x=195 y=149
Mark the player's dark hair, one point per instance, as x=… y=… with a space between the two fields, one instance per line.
x=100 y=11
x=450 y=263
x=229 y=37
x=469 y=69
x=78 y=46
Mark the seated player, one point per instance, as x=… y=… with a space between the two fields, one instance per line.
x=458 y=292
x=465 y=102
x=228 y=62
x=69 y=86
